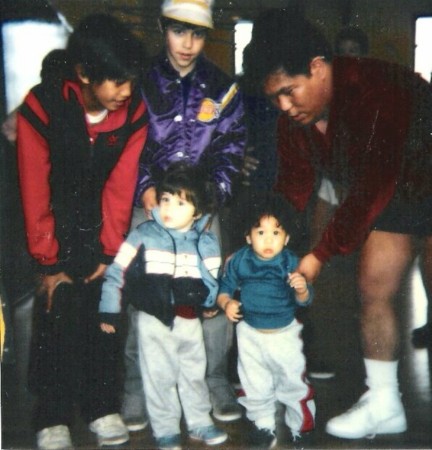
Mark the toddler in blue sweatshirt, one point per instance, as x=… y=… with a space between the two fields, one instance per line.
x=271 y=363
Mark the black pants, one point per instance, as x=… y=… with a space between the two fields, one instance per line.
x=72 y=361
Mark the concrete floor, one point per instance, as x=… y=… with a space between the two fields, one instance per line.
x=335 y=318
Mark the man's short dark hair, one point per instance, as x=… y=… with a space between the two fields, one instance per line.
x=106 y=49
x=285 y=40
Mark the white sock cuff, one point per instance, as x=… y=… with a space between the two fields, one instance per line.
x=381 y=374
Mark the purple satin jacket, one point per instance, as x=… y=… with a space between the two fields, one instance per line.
x=203 y=125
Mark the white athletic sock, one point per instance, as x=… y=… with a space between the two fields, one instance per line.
x=381 y=374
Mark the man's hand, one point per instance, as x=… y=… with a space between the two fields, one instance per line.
x=310 y=267
x=149 y=201
x=48 y=284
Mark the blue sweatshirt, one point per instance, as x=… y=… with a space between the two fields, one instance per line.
x=268 y=301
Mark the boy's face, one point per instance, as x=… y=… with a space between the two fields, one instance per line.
x=184 y=45
x=269 y=239
x=176 y=212
x=109 y=94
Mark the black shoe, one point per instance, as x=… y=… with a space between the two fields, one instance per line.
x=422 y=337
x=262 y=438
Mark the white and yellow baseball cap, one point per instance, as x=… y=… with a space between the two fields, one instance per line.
x=195 y=12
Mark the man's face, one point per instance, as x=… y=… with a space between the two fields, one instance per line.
x=184 y=45
x=305 y=98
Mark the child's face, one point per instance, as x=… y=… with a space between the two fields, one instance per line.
x=109 y=94
x=176 y=212
x=269 y=239
x=184 y=45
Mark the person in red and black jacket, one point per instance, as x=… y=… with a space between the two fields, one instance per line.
x=366 y=125
x=80 y=136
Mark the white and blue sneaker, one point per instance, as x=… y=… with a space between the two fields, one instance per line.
x=211 y=435
x=170 y=442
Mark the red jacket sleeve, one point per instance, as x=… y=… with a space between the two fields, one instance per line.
x=34 y=169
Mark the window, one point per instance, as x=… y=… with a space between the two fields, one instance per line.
x=423 y=55
x=242 y=36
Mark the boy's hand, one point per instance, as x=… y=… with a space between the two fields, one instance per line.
x=298 y=282
x=149 y=201
x=98 y=273
x=250 y=165
x=107 y=328
x=48 y=284
x=232 y=310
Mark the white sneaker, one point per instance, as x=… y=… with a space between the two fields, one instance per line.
x=54 y=438
x=110 y=430
x=377 y=413
x=135 y=423
x=133 y=412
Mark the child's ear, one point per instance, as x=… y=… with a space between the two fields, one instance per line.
x=79 y=70
x=248 y=239
x=197 y=216
x=287 y=239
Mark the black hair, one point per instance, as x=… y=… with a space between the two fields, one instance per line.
x=193 y=181
x=166 y=22
x=54 y=66
x=351 y=33
x=105 y=49
x=283 y=40
x=268 y=205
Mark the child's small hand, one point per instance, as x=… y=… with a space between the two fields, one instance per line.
x=209 y=313
x=232 y=310
x=107 y=328
x=298 y=282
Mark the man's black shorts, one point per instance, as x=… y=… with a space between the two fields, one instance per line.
x=406 y=217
